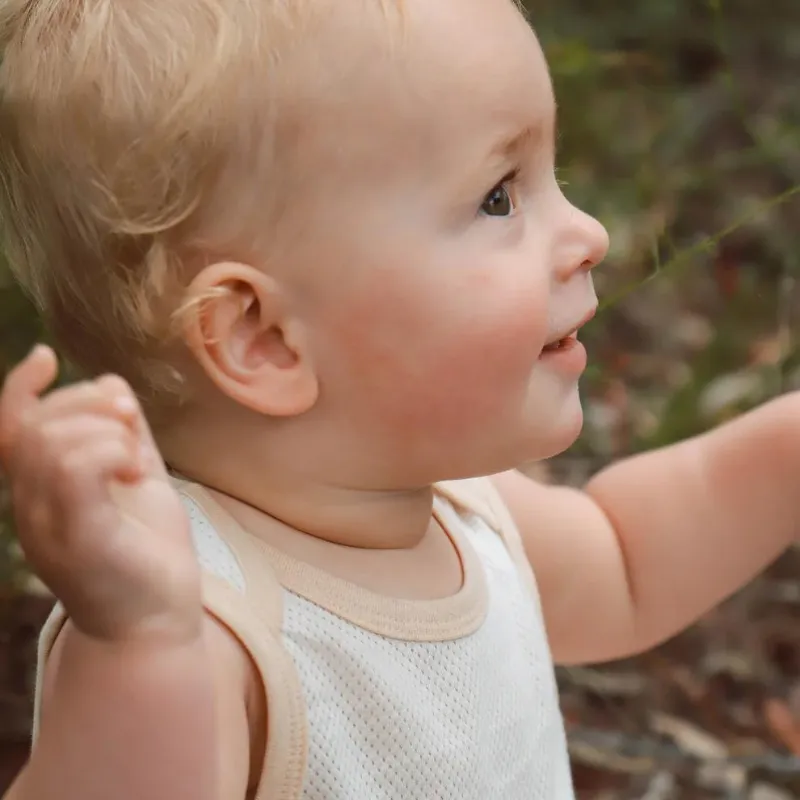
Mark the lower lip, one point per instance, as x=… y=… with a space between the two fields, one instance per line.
x=570 y=358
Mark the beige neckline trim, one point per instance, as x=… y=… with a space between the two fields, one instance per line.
x=444 y=619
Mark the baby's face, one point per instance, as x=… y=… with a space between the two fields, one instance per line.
x=441 y=256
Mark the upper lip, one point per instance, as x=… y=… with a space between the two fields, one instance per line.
x=573 y=329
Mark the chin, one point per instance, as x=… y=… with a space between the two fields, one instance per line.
x=558 y=435
x=527 y=447
x=540 y=434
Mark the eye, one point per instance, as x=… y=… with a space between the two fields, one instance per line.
x=498 y=202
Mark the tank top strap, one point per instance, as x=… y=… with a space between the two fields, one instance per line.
x=252 y=610
x=479 y=496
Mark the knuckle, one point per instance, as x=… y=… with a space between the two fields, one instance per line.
x=49 y=430
x=71 y=399
x=83 y=392
x=71 y=465
x=50 y=440
x=113 y=384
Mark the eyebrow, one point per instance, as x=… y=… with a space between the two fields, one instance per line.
x=531 y=135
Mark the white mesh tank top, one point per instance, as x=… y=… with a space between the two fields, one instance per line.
x=374 y=698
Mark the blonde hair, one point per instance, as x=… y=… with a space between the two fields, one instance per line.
x=119 y=122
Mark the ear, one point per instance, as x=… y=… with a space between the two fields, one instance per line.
x=241 y=330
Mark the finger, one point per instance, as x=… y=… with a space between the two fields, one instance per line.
x=66 y=434
x=108 y=460
x=21 y=389
x=83 y=488
x=44 y=455
x=88 y=397
x=74 y=506
x=124 y=396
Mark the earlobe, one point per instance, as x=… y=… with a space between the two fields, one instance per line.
x=242 y=331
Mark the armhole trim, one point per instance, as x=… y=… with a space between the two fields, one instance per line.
x=255 y=618
x=284 y=762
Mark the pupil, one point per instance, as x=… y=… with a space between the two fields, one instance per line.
x=498 y=203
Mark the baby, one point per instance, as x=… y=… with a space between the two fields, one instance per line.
x=320 y=247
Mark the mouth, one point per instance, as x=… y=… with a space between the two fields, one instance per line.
x=567 y=339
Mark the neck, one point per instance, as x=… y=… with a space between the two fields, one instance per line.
x=245 y=480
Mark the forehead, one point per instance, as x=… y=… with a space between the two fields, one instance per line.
x=476 y=52
x=435 y=76
x=491 y=80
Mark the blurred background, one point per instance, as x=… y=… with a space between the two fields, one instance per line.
x=680 y=130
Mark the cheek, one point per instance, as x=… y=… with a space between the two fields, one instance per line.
x=442 y=361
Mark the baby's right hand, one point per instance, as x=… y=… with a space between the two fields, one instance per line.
x=96 y=515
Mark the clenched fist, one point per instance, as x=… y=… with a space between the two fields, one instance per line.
x=97 y=517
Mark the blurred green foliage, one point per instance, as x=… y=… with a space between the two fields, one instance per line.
x=679 y=129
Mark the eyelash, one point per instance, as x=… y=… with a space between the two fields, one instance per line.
x=510 y=179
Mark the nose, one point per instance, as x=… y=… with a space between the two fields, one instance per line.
x=584 y=244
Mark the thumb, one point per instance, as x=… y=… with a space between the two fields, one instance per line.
x=21 y=391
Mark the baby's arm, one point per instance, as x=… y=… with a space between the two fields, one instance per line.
x=142 y=721
x=144 y=697
x=655 y=541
